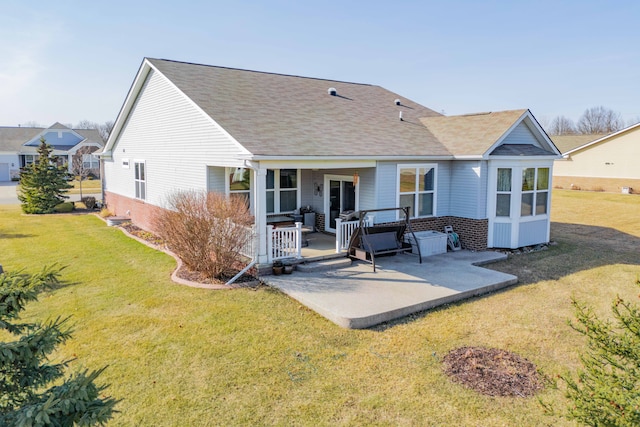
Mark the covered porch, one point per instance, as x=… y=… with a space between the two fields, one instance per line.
x=300 y=207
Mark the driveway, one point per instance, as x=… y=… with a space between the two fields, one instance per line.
x=355 y=297
x=8 y=195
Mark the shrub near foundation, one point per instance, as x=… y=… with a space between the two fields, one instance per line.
x=206 y=230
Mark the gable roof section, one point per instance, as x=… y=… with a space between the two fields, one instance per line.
x=567 y=143
x=283 y=115
x=471 y=135
x=27 y=139
x=603 y=139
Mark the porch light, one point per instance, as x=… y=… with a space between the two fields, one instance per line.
x=355 y=178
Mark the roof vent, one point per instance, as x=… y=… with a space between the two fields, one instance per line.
x=332 y=91
x=397 y=102
x=401 y=119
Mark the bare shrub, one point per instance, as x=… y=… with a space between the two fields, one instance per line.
x=206 y=230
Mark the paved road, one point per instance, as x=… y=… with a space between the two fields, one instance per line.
x=8 y=195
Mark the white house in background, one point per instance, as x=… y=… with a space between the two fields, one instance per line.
x=287 y=142
x=19 y=146
x=599 y=162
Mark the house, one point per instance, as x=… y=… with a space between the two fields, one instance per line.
x=19 y=146
x=599 y=162
x=288 y=142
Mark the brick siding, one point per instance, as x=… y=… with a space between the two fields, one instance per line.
x=141 y=213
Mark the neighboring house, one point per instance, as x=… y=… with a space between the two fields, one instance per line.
x=19 y=146
x=287 y=142
x=599 y=162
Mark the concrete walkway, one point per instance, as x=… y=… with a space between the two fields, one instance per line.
x=355 y=297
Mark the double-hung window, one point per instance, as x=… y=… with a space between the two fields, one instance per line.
x=240 y=183
x=140 y=179
x=503 y=197
x=89 y=161
x=282 y=190
x=416 y=189
x=535 y=191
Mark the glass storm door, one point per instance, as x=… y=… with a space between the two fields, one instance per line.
x=342 y=197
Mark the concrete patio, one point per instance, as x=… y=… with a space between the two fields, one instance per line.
x=355 y=297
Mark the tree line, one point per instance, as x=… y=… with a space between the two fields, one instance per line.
x=594 y=120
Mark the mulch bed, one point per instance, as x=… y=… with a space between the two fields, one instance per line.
x=493 y=372
x=185 y=273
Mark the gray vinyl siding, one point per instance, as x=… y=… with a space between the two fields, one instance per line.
x=306 y=188
x=367 y=183
x=387 y=179
x=532 y=232
x=502 y=235
x=521 y=134
x=174 y=138
x=216 y=179
x=468 y=195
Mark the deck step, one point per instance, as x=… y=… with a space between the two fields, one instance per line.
x=329 y=264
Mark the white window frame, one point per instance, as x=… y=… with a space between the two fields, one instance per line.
x=535 y=192
x=248 y=192
x=140 y=184
x=509 y=192
x=276 y=190
x=93 y=161
x=417 y=192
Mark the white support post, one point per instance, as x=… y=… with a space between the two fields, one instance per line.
x=263 y=234
x=338 y=235
x=298 y=240
x=269 y=243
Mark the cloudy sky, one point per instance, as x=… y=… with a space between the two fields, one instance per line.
x=69 y=60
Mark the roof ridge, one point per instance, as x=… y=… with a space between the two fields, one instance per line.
x=259 y=72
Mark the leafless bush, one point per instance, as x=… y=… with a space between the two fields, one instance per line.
x=206 y=230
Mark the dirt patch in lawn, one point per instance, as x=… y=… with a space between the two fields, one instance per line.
x=493 y=372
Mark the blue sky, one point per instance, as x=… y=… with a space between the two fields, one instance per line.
x=68 y=60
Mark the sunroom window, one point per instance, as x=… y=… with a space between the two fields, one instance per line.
x=535 y=191
x=503 y=197
x=416 y=189
x=282 y=190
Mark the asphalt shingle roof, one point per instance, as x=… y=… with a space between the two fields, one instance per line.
x=275 y=114
x=13 y=138
x=569 y=142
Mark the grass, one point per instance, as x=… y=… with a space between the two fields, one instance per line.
x=88 y=186
x=182 y=356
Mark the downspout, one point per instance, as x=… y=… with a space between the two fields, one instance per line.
x=244 y=270
x=254 y=259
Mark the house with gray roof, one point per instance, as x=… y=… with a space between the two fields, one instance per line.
x=289 y=143
x=19 y=147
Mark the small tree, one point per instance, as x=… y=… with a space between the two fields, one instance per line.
x=78 y=168
x=206 y=230
x=607 y=391
x=43 y=183
x=25 y=371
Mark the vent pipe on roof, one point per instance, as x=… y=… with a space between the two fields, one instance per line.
x=332 y=91
x=401 y=119
x=397 y=102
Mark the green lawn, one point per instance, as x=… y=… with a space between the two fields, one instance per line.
x=179 y=356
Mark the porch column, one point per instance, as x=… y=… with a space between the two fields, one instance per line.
x=260 y=201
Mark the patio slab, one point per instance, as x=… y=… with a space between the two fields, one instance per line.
x=355 y=297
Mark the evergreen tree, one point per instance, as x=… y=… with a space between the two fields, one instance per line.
x=606 y=391
x=25 y=371
x=44 y=182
